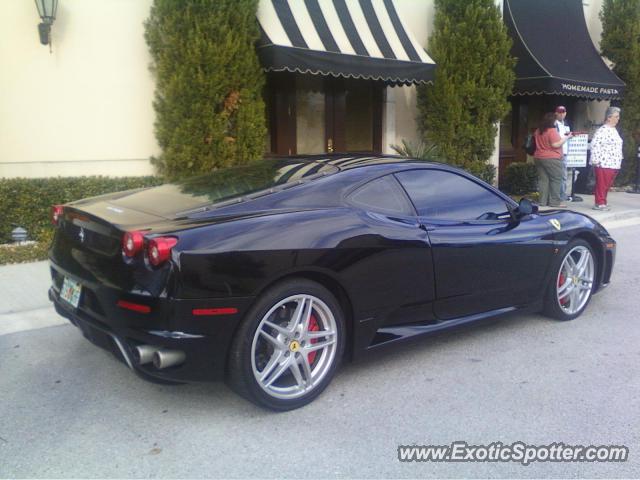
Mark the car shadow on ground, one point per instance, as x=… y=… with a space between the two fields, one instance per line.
x=455 y=339
x=83 y=369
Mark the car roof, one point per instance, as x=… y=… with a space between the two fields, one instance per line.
x=343 y=172
x=385 y=164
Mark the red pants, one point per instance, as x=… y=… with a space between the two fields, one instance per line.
x=604 y=180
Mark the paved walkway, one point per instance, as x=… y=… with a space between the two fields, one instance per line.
x=24 y=304
x=625 y=208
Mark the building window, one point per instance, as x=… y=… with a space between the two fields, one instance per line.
x=313 y=115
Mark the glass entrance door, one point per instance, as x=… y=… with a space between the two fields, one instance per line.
x=310 y=115
x=314 y=115
x=354 y=116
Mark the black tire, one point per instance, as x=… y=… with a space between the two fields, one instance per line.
x=280 y=303
x=562 y=308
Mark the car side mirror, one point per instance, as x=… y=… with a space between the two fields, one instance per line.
x=525 y=207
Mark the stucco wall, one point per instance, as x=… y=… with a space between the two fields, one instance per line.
x=419 y=18
x=590 y=114
x=418 y=15
x=87 y=107
x=592 y=16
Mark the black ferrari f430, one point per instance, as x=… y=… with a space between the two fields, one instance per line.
x=268 y=275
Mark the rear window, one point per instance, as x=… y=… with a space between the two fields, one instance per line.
x=382 y=195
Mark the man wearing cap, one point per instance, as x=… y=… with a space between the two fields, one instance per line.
x=563 y=129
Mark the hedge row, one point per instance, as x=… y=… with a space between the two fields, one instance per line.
x=520 y=178
x=26 y=202
x=31 y=252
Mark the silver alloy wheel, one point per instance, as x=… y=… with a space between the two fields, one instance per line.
x=575 y=280
x=294 y=346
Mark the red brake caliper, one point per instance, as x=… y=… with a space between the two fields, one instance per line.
x=561 y=281
x=313 y=327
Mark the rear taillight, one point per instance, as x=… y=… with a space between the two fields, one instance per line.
x=134 y=307
x=132 y=243
x=159 y=249
x=56 y=213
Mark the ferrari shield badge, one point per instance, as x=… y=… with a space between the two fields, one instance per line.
x=555 y=223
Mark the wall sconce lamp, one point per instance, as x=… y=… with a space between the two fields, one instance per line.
x=47 y=11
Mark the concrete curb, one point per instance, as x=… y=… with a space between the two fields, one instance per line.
x=617 y=219
x=604 y=218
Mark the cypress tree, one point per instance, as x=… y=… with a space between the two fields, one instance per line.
x=474 y=76
x=208 y=99
x=621 y=44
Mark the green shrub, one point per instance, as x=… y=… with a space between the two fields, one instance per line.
x=520 y=178
x=26 y=202
x=473 y=80
x=620 y=43
x=421 y=151
x=31 y=252
x=208 y=100
x=482 y=170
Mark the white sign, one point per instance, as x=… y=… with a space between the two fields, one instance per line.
x=577 y=151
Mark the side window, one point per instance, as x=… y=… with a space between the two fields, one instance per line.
x=438 y=194
x=382 y=195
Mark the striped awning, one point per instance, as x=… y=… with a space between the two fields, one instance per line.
x=555 y=53
x=363 y=39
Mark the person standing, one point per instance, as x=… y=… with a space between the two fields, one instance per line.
x=548 y=159
x=606 y=156
x=563 y=130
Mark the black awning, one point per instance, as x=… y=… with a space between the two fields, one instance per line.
x=341 y=38
x=555 y=53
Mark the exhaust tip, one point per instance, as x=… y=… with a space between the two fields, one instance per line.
x=168 y=358
x=143 y=354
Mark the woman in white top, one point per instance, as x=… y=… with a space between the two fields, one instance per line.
x=606 y=156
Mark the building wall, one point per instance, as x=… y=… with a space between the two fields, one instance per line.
x=84 y=109
x=590 y=114
x=592 y=16
x=419 y=19
x=418 y=16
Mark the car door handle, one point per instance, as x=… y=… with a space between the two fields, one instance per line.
x=427 y=228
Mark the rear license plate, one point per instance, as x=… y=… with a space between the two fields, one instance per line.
x=70 y=292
